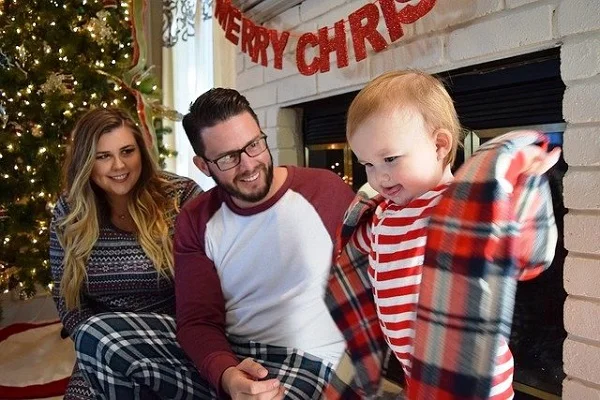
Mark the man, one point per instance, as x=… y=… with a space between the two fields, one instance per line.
x=252 y=257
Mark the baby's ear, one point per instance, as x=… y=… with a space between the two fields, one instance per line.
x=443 y=143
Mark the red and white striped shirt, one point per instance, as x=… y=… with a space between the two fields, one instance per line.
x=395 y=241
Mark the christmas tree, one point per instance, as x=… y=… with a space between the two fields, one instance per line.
x=58 y=59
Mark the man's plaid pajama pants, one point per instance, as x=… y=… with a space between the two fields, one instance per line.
x=136 y=356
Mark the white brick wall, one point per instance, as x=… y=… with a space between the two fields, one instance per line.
x=576 y=390
x=587 y=356
x=491 y=36
x=459 y=33
x=581 y=57
x=581 y=102
x=581 y=232
x=581 y=276
x=580 y=318
x=575 y=16
x=582 y=189
x=582 y=145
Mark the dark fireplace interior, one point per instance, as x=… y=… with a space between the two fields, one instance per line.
x=491 y=99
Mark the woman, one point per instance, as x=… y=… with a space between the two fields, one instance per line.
x=111 y=232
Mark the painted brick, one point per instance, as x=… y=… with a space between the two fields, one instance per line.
x=421 y=54
x=289 y=68
x=582 y=145
x=512 y=31
x=383 y=62
x=580 y=59
x=282 y=138
x=450 y=13
x=296 y=87
x=261 y=114
x=582 y=189
x=310 y=9
x=306 y=26
x=286 y=20
x=262 y=96
x=283 y=117
x=251 y=77
x=576 y=16
x=518 y=3
x=581 y=276
x=336 y=78
x=339 y=13
x=581 y=102
x=582 y=318
x=574 y=390
x=239 y=62
x=581 y=232
x=581 y=360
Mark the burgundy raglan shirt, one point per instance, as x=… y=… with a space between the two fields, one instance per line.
x=259 y=274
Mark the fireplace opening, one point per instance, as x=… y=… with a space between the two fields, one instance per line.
x=491 y=99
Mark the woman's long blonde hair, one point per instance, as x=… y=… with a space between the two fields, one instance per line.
x=149 y=204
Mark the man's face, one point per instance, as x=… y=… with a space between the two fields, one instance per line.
x=249 y=182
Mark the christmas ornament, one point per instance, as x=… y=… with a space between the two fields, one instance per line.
x=3 y=116
x=62 y=83
x=23 y=53
x=100 y=29
x=5 y=62
x=18 y=128
x=36 y=131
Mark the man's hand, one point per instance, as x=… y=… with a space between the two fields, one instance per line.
x=242 y=382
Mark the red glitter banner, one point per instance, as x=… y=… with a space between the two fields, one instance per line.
x=255 y=39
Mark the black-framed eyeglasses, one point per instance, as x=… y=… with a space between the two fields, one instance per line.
x=233 y=158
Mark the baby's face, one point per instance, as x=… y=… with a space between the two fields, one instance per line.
x=399 y=153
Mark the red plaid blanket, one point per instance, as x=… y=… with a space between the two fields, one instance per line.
x=493 y=226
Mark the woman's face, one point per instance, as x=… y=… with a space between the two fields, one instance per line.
x=118 y=163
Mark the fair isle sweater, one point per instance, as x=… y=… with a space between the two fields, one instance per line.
x=120 y=277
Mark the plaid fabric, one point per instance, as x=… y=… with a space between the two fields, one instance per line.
x=136 y=356
x=350 y=301
x=493 y=225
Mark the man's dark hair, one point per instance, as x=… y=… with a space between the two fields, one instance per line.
x=214 y=106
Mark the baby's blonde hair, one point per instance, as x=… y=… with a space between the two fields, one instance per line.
x=404 y=89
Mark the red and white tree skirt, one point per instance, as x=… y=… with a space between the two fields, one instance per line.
x=35 y=362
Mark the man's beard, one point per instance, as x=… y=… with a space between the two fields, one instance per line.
x=251 y=197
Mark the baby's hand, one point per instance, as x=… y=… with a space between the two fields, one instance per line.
x=538 y=161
